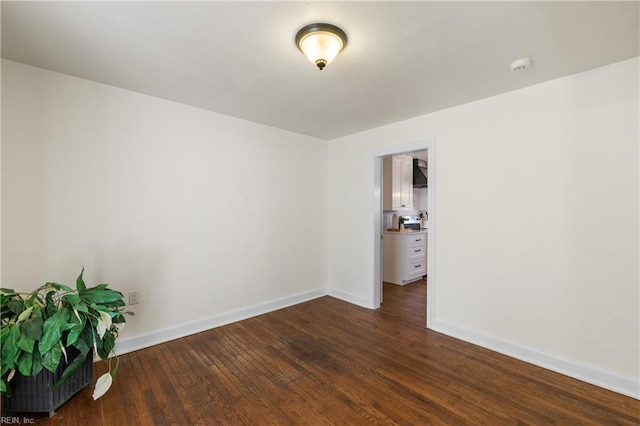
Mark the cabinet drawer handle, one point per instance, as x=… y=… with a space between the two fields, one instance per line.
x=403 y=205
x=417 y=250
x=418 y=240
x=417 y=266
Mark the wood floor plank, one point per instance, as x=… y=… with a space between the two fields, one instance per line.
x=330 y=362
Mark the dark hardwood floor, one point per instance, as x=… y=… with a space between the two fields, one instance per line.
x=329 y=362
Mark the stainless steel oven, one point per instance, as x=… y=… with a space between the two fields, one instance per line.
x=412 y=222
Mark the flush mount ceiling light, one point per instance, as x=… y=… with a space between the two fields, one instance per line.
x=321 y=43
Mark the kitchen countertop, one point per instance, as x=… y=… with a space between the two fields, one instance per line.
x=422 y=231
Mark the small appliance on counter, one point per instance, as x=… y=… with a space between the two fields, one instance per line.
x=424 y=220
x=394 y=221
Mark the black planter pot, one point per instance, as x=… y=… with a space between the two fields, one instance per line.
x=34 y=394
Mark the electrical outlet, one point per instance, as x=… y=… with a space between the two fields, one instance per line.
x=134 y=297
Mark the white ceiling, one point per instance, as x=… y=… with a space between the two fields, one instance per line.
x=403 y=59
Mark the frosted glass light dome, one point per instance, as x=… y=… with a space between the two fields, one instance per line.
x=321 y=43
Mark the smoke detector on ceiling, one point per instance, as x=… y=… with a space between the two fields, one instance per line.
x=520 y=64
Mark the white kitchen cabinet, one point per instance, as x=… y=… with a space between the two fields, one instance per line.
x=405 y=257
x=397 y=185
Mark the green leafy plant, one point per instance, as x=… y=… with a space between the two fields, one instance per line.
x=38 y=328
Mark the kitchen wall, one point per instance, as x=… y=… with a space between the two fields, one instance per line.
x=206 y=215
x=536 y=221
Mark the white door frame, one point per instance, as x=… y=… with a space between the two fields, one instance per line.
x=376 y=162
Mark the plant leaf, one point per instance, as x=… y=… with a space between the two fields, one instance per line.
x=24 y=315
x=51 y=359
x=115 y=369
x=95 y=288
x=80 y=282
x=115 y=304
x=4 y=388
x=103 y=324
x=81 y=306
x=25 y=360
x=26 y=343
x=64 y=352
x=73 y=335
x=3 y=332
x=108 y=343
x=77 y=303
x=71 y=368
x=52 y=331
x=82 y=346
x=32 y=328
x=101 y=328
x=36 y=366
x=101 y=296
x=58 y=286
x=5 y=368
x=16 y=306
x=49 y=304
x=10 y=346
x=102 y=385
x=72 y=298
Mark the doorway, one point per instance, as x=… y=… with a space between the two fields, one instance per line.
x=377 y=157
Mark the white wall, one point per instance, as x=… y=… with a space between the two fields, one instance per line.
x=206 y=215
x=537 y=221
x=537 y=198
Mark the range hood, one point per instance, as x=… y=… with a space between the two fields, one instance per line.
x=419 y=173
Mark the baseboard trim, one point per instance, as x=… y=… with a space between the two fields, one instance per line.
x=572 y=369
x=142 y=341
x=350 y=298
